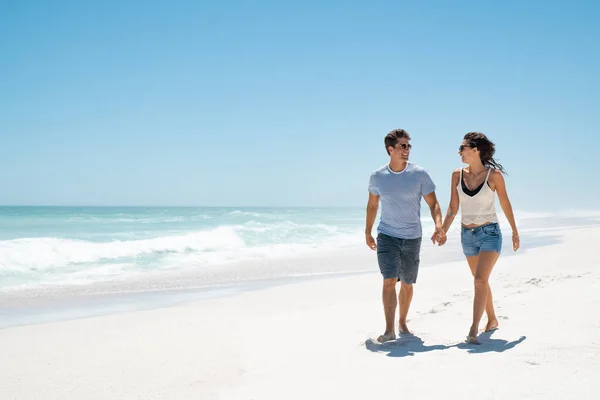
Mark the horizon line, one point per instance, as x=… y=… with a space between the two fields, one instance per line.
x=562 y=212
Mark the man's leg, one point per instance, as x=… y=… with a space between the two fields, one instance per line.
x=405 y=297
x=409 y=269
x=389 y=306
x=388 y=257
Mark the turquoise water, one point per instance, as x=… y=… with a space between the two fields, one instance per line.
x=63 y=247
x=72 y=245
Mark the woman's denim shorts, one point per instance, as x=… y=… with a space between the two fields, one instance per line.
x=483 y=238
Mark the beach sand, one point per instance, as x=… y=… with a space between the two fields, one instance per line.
x=315 y=339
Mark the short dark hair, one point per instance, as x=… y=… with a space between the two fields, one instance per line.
x=391 y=139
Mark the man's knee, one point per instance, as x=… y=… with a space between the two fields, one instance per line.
x=408 y=287
x=390 y=283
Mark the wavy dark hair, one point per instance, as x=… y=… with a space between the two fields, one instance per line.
x=486 y=148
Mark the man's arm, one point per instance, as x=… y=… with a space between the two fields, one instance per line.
x=434 y=207
x=428 y=193
x=436 y=213
x=372 y=207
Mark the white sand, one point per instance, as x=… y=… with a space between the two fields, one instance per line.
x=311 y=340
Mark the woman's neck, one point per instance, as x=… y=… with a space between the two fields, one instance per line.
x=476 y=167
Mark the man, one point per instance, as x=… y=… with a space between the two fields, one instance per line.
x=399 y=186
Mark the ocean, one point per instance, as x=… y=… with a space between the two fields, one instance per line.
x=61 y=246
x=72 y=262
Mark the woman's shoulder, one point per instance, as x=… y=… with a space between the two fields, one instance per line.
x=495 y=178
x=496 y=174
x=456 y=175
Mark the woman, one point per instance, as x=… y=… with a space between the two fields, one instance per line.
x=473 y=188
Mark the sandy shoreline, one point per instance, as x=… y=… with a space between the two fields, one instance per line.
x=314 y=339
x=156 y=289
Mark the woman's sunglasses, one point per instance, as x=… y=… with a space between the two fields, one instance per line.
x=462 y=147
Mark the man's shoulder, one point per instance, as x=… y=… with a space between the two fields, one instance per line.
x=383 y=170
x=416 y=168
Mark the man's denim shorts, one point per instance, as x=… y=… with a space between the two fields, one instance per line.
x=483 y=238
x=398 y=258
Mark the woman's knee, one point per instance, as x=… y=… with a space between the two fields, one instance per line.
x=480 y=282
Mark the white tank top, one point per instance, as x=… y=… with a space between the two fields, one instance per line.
x=480 y=208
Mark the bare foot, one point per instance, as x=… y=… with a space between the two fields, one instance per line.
x=472 y=336
x=472 y=340
x=403 y=329
x=491 y=325
x=386 y=337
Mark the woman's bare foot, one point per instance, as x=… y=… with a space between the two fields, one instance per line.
x=403 y=329
x=472 y=336
x=386 y=337
x=472 y=340
x=491 y=325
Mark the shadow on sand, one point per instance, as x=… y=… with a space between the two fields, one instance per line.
x=405 y=345
x=408 y=345
x=489 y=345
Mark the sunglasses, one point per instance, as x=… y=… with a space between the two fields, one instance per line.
x=462 y=147
x=405 y=146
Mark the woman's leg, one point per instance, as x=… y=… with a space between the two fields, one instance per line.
x=483 y=270
x=492 y=322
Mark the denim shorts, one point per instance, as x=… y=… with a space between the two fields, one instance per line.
x=486 y=237
x=398 y=258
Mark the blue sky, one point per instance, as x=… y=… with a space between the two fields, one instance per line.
x=264 y=103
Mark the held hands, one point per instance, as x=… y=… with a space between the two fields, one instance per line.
x=439 y=236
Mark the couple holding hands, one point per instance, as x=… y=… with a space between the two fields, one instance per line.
x=399 y=187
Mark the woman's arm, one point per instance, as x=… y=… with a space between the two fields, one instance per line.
x=498 y=181
x=454 y=202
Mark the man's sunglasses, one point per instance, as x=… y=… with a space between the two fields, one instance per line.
x=405 y=146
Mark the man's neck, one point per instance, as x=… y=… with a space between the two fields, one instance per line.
x=397 y=166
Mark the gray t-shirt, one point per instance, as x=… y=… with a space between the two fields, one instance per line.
x=400 y=196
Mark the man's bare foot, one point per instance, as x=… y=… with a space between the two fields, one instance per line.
x=386 y=337
x=491 y=325
x=403 y=329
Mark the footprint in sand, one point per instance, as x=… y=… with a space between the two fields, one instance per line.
x=438 y=309
x=535 y=282
x=564 y=278
x=463 y=294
